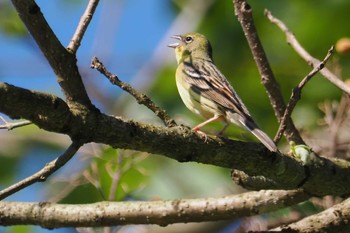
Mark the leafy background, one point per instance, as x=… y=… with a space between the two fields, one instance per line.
x=130 y=38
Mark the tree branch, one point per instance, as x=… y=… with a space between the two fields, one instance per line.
x=333 y=220
x=296 y=94
x=13 y=125
x=180 y=143
x=244 y=15
x=82 y=26
x=313 y=62
x=45 y=110
x=78 y=121
x=147 y=212
x=61 y=60
x=140 y=98
x=45 y=172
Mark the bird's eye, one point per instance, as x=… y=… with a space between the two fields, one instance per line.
x=188 y=39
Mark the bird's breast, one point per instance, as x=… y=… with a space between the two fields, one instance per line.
x=194 y=101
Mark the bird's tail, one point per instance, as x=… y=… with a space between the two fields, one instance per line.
x=264 y=139
x=248 y=123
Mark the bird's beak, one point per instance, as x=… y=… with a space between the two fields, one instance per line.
x=174 y=45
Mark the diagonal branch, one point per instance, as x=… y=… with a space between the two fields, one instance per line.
x=140 y=98
x=296 y=94
x=332 y=220
x=148 y=212
x=244 y=14
x=82 y=26
x=313 y=62
x=45 y=172
x=61 y=60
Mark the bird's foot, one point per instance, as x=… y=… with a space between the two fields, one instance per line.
x=201 y=133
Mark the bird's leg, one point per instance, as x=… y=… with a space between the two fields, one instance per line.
x=196 y=128
x=221 y=133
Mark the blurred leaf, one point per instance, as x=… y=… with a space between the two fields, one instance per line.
x=82 y=194
x=10 y=23
x=114 y=175
x=19 y=229
x=8 y=169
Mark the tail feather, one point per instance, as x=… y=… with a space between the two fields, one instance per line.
x=264 y=139
x=248 y=123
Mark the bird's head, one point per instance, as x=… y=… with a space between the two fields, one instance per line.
x=191 y=44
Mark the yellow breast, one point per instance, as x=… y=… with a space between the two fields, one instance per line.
x=199 y=105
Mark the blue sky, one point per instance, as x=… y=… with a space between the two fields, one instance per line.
x=122 y=34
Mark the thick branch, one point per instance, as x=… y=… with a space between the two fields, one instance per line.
x=61 y=60
x=45 y=110
x=143 y=212
x=245 y=17
x=180 y=143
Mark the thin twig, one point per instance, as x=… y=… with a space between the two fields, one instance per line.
x=45 y=172
x=116 y=175
x=82 y=26
x=140 y=98
x=296 y=94
x=313 y=62
x=13 y=125
x=244 y=15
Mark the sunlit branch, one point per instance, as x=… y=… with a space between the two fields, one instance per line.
x=148 y=212
x=296 y=95
x=12 y=125
x=82 y=26
x=140 y=97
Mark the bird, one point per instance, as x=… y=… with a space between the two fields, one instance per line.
x=206 y=91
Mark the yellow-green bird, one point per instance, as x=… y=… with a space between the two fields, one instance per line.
x=206 y=91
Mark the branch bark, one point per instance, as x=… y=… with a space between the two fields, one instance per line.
x=333 y=220
x=82 y=26
x=45 y=110
x=180 y=143
x=62 y=61
x=79 y=119
x=139 y=97
x=147 y=212
x=244 y=15
x=296 y=95
x=13 y=125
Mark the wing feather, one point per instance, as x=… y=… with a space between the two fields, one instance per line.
x=210 y=83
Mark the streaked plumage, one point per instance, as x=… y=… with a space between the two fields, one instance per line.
x=205 y=90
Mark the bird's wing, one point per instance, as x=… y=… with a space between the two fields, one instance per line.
x=205 y=79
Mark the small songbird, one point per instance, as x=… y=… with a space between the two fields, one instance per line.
x=206 y=91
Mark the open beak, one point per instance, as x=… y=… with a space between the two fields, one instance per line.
x=174 y=45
